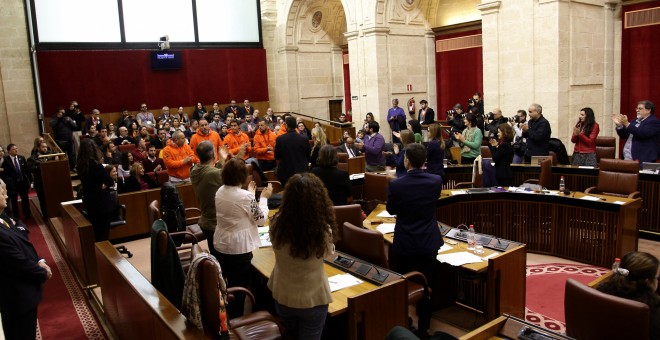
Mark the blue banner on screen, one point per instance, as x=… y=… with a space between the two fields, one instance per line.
x=166 y=60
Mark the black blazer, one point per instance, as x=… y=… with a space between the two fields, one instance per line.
x=429 y=118
x=342 y=148
x=502 y=156
x=337 y=182
x=9 y=174
x=538 y=137
x=292 y=150
x=413 y=198
x=22 y=280
x=96 y=199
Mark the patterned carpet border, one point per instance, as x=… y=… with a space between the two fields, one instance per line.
x=85 y=315
x=546 y=322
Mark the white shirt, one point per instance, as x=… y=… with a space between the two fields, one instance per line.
x=238 y=216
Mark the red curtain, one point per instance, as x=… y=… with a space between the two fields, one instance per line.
x=459 y=74
x=112 y=80
x=347 y=81
x=640 y=68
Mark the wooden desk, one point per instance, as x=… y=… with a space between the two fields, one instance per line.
x=264 y=261
x=491 y=287
x=579 y=179
x=507 y=327
x=593 y=232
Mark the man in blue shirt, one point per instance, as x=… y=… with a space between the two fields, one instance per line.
x=396 y=117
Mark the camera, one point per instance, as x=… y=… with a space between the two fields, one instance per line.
x=490 y=116
x=514 y=119
x=451 y=112
x=471 y=102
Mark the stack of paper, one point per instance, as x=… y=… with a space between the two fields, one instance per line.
x=458 y=192
x=590 y=198
x=385 y=214
x=385 y=228
x=356 y=176
x=444 y=248
x=342 y=281
x=459 y=259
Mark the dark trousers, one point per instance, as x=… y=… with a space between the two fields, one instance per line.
x=20 y=188
x=20 y=327
x=422 y=263
x=267 y=165
x=467 y=161
x=67 y=146
x=39 y=188
x=101 y=224
x=304 y=323
x=209 y=238
x=504 y=181
x=236 y=270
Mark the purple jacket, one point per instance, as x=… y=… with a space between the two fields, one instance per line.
x=373 y=149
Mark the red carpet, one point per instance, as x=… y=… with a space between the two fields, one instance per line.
x=63 y=312
x=545 y=291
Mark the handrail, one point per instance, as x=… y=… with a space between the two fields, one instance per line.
x=330 y=122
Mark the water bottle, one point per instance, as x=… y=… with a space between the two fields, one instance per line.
x=562 y=184
x=616 y=264
x=471 y=240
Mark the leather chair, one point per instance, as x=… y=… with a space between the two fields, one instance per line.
x=191 y=221
x=545 y=178
x=162 y=177
x=369 y=245
x=346 y=213
x=375 y=187
x=477 y=178
x=605 y=147
x=186 y=252
x=253 y=175
x=257 y=325
x=617 y=177
x=485 y=152
x=591 y=314
x=126 y=147
x=455 y=152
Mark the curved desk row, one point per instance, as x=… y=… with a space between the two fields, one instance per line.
x=579 y=179
x=571 y=227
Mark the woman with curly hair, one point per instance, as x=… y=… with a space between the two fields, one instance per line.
x=301 y=239
x=637 y=279
x=584 y=136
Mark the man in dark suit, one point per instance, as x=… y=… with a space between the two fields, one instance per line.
x=23 y=273
x=94 y=120
x=18 y=179
x=413 y=198
x=426 y=114
x=537 y=131
x=245 y=110
x=350 y=148
x=292 y=150
x=642 y=136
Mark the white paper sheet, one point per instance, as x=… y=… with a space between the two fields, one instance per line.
x=386 y=228
x=384 y=213
x=459 y=259
x=445 y=247
x=357 y=176
x=485 y=258
x=619 y=202
x=342 y=281
x=264 y=236
x=458 y=192
x=590 y=198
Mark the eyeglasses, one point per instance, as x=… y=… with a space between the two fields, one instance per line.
x=641 y=108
